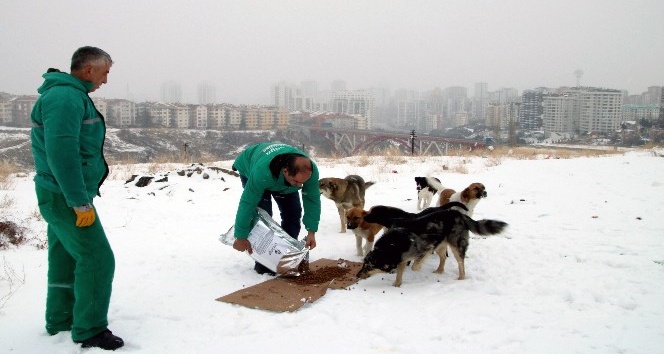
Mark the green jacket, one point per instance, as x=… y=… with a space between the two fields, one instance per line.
x=254 y=163
x=68 y=139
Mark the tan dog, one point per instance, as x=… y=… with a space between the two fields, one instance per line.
x=363 y=230
x=346 y=193
x=470 y=196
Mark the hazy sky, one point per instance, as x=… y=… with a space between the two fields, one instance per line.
x=245 y=46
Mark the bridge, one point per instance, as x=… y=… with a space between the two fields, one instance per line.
x=353 y=142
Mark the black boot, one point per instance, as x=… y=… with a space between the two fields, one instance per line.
x=104 y=340
x=261 y=269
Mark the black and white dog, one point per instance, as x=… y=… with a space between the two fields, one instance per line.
x=425 y=192
x=414 y=239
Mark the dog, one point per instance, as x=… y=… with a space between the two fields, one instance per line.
x=346 y=193
x=425 y=192
x=387 y=215
x=414 y=239
x=470 y=196
x=363 y=230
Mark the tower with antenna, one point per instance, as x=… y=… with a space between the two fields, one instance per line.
x=578 y=73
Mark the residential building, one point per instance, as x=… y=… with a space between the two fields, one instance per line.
x=118 y=112
x=354 y=103
x=455 y=101
x=22 y=109
x=202 y=116
x=559 y=114
x=600 y=110
x=530 y=114
x=637 y=112
x=6 y=106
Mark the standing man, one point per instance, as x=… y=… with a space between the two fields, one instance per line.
x=67 y=144
x=279 y=171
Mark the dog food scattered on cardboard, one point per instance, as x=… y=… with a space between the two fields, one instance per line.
x=321 y=275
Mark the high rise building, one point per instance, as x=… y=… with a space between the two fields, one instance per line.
x=207 y=93
x=282 y=95
x=530 y=114
x=582 y=110
x=359 y=104
x=171 y=92
x=480 y=101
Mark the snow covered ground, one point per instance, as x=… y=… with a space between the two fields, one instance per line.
x=579 y=270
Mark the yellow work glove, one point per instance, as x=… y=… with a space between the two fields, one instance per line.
x=85 y=215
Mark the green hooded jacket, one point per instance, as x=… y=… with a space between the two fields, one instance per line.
x=68 y=139
x=254 y=163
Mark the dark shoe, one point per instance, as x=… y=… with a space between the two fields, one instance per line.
x=261 y=269
x=104 y=340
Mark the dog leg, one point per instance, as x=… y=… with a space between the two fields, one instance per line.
x=358 y=245
x=417 y=264
x=342 y=217
x=400 y=268
x=460 y=260
x=441 y=250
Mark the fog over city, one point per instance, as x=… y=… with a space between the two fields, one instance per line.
x=243 y=47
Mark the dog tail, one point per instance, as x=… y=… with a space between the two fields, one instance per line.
x=484 y=227
x=368 y=184
x=434 y=183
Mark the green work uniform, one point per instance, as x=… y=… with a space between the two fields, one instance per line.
x=67 y=144
x=254 y=163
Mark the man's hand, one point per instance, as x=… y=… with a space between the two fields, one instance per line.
x=242 y=244
x=85 y=215
x=311 y=240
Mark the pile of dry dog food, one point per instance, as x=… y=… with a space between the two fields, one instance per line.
x=321 y=275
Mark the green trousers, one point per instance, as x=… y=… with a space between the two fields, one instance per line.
x=80 y=270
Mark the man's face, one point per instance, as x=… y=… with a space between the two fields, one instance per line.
x=97 y=74
x=297 y=180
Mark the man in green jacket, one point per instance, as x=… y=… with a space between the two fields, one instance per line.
x=279 y=171
x=67 y=144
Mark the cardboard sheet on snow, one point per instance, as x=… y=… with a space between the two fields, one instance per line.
x=283 y=294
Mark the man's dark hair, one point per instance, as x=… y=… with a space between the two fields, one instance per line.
x=288 y=161
x=86 y=55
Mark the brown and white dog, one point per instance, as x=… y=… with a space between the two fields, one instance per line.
x=346 y=193
x=363 y=230
x=469 y=196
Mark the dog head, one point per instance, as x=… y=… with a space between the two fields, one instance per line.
x=329 y=185
x=354 y=217
x=421 y=182
x=387 y=253
x=474 y=191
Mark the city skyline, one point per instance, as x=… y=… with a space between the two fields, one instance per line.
x=244 y=47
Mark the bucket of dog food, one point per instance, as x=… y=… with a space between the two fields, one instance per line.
x=273 y=247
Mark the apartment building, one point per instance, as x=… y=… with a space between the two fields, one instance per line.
x=637 y=112
x=600 y=110
x=6 y=106
x=530 y=114
x=354 y=103
x=582 y=110
x=118 y=112
x=559 y=114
